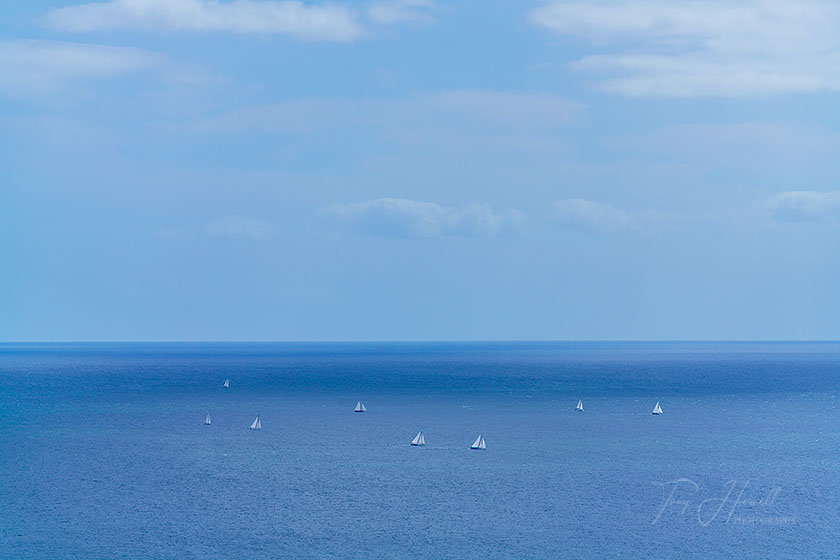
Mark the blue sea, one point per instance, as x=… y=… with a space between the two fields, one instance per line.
x=104 y=454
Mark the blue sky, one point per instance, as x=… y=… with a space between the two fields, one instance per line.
x=411 y=169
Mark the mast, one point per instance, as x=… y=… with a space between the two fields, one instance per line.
x=419 y=439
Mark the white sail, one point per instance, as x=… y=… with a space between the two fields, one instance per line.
x=479 y=443
x=579 y=406
x=257 y=425
x=657 y=409
x=360 y=407
x=207 y=420
x=419 y=439
x=227 y=384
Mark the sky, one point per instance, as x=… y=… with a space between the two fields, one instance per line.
x=419 y=170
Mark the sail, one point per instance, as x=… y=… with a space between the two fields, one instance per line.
x=419 y=439
x=657 y=409
x=257 y=425
x=207 y=420
x=227 y=384
x=479 y=443
x=579 y=406
x=360 y=407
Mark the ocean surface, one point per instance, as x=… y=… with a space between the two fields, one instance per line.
x=103 y=451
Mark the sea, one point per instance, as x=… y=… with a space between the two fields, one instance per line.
x=104 y=452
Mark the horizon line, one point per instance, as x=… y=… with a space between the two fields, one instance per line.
x=421 y=341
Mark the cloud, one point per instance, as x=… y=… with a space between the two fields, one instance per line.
x=704 y=47
x=589 y=215
x=404 y=218
x=330 y=22
x=38 y=66
x=509 y=108
x=237 y=227
x=488 y=112
x=805 y=206
x=766 y=142
x=174 y=234
x=227 y=227
x=399 y=11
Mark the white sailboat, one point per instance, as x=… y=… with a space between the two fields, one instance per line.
x=360 y=407
x=579 y=406
x=257 y=425
x=207 y=420
x=227 y=384
x=657 y=409
x=419 y=439
x=479 y=443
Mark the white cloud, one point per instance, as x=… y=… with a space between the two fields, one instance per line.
x=400 y=217
x=36 y=66
x=590 y=215
x=173 y=234
x=491 y=111
x=511 y=108
x=805 y=206
x=227 y=227
x=398 y=11
x=733 y=141
x=237 y=227
x=305 y=20
x=704 y=47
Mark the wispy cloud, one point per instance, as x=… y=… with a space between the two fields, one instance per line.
x=766 y=142
x=227 y=227
x=302 y=19
x=38 y=66
x=404 y=218
x=804 y=206
x=704 y=47
x=791 y=207
x=490 y=110
x=237 y=227
x=399 y=11
x=509 y=108
x=590 y=215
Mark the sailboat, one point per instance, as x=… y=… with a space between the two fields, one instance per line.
x=360 y=407
x=227 y=384
x=257 y=425
x=419 y=439
x=579 y=406
x=657 y=409
x=207 y=420
x=479 y=443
